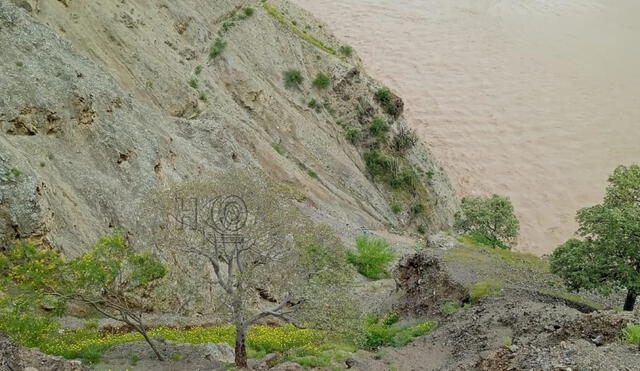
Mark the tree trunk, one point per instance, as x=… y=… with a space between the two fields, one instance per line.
x=150 y=342
x=630 y=302
x=241 y=348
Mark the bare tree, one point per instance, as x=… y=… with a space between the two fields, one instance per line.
x=266 y=257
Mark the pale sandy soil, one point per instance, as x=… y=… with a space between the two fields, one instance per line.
x=536 y=99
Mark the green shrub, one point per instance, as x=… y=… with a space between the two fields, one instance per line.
x=312 y=174
x=372 y=257
x=388 y=101
x=193 y=83
x=198 y=70
x=422 y=229
x=632 y=334
x=405 y=140
x=353 y=136
x=322 y=81
x=293 y=78
x=346 y=50
x=203 y=96
x=378 y=127
x=218 y=47
x=249 y=11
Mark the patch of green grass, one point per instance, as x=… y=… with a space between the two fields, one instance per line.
x=293 y=78
x=513 y=258
x=198 y=70
x=217 y=48
x=372 y=257
x=177 y=357
x=632 y=334
x=422 y=229
x=381 y=332
x=279 y=148
x=346 y=51
x=295 y=30
x=203 y=96
x=312 y=174
x=483 y=289
x=249 y=11
x=507 y=342
x=322 y=81
x=574 y=299
x=193 y=83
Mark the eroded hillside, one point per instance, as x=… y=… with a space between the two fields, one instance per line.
x=105 y=103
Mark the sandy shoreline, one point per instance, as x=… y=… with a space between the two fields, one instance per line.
x=535 y=99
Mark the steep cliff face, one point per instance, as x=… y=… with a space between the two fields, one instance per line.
x=104 y=103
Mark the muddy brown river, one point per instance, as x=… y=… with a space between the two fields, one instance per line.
x=535 y=99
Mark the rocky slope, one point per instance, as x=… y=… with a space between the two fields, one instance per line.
x=104 y=103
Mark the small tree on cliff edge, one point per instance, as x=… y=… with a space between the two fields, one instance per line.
x=607 y=257
x=111 y=278
x=489 y=220
x=266 y=258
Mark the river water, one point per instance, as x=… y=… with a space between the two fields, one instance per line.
x=535 y=99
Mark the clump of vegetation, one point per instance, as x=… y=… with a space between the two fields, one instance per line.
x=248 y=12
x=353 y=135
x=388 y=101
x=484 y=288
x=422 y=229
x=217 y=48
x=452 y=307
x=10 y=175
x=203 y=96
x=293 y=78
x=606 y=259
x=193 y=83
x=391 y=331
x=322 y=81
x=632 y=334
x=278 y=147
x=404 y=140
x=507 y=342
x=198 y=70
x=490 y=221
x=312 y=174
x=396 y=208
x=346 y=51
x=315 y=105
x=388 y=169
x=372 y=257
x=378 y=127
